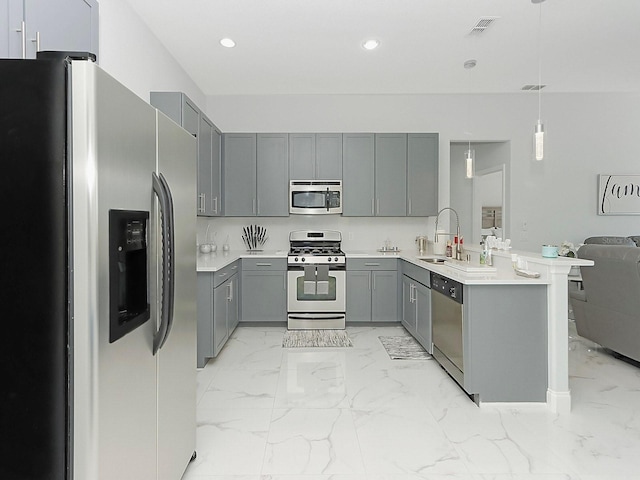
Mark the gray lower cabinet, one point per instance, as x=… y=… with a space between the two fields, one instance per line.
x=264 y=290
x=217 y=310
x=372 y=290
x=391 y=174
x=358 y=174
x=29 y=26
x=315 y=156
x=416 y=303
x=182 y=110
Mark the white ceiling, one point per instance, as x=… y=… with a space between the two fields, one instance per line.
x=314 y=46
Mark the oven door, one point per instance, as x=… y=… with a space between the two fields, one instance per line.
x=314 y=290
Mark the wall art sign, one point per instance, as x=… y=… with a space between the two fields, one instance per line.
x=619 y=195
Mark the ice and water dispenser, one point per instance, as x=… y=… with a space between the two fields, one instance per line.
x=128 y=278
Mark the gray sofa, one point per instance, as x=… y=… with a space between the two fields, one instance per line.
x=607 y=309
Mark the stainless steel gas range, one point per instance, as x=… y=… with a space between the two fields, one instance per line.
x=316 y=296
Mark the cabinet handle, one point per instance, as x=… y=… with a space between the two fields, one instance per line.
x=215 y=204
x=201 y=207
x=373 y=282
x=23 y=36
x=263 y=264
x=234 y=268
x=372 y=264
x=230 y=291
x=37 y=41
x=223 y=274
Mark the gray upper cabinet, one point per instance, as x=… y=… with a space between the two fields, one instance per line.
x=272 y=168
x=255 y=174
x=239 y=152
x=422 y=174
x=315 y=156
x=29 y=26
x=391 y=175
x=328 y=156
x=302 y=151
x=205 y=151
x=358 y=155
x=216 y=173
x=182 y=110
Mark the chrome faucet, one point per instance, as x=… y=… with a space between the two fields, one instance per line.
x=458 y=252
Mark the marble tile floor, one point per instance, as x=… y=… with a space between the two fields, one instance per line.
x=268 y=413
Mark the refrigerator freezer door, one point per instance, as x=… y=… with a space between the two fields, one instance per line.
x=113 y=155
x=34 y=274
x=177 y=357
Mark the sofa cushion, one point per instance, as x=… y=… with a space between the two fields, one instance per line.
x=609 y=240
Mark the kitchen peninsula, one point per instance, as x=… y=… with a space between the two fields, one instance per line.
x=547 y=296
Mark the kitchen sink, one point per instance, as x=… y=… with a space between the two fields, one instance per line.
x=433 y=260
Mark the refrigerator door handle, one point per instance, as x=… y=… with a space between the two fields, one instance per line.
x=161 y=189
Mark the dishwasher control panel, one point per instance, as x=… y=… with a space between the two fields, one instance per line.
x=446 y=286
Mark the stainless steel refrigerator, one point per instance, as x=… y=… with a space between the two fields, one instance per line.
x=97 y=278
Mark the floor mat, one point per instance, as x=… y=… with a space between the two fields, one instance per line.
x=316 y=338
x=404 y=348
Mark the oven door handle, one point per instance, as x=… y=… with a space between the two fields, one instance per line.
x=327 y=200
x=316 y=316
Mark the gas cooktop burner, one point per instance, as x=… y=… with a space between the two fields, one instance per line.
x=316 y=246
x=316 y=251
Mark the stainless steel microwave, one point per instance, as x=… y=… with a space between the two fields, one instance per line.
x=315 y=197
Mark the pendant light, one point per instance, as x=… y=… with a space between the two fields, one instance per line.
x=469 y=155
x=538 y=135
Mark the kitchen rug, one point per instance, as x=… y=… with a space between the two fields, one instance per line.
x=404 y=348
x=316 y=338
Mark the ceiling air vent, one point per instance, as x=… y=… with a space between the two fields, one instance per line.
x=533 y=88
x=482 y=24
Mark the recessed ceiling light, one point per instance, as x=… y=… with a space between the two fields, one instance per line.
x=371 y=44
x=227 y=42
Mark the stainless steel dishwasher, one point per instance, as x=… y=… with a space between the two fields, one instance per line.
x=447 y=322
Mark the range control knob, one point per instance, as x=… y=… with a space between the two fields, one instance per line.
x=452 y=292
x=296 y=259
x=329 y=259
x=336 y=259
x=302 y=259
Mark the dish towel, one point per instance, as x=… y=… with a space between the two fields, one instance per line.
x=323 y=280
x=309 y=280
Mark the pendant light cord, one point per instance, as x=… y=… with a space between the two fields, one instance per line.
x=540 y=64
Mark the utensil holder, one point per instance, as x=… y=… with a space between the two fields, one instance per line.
x=254 y=237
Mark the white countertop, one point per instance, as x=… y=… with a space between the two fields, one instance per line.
x=212 y=262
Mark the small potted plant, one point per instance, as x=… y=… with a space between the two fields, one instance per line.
x=568 y=249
